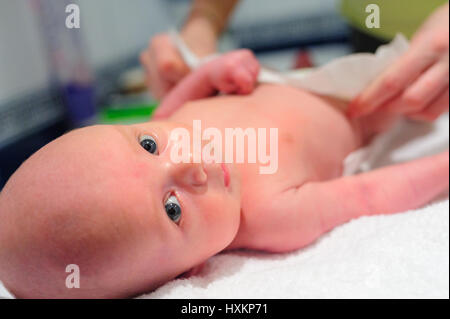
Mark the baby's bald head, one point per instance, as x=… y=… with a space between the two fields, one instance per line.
x=99 y=199
x=72 y=203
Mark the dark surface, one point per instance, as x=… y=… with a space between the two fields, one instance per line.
x=363 y=42
x=13 y=155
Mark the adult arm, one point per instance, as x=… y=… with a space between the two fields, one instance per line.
x=161 y=60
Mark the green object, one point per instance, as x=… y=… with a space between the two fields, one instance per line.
x=126 y=114
x=404 y=16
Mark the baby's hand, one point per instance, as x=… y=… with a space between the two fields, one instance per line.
x=235 y=72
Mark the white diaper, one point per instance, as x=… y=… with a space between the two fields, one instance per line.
x=343 y=78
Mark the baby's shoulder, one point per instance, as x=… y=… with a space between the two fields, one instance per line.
x=261 y=193
x=266 y=217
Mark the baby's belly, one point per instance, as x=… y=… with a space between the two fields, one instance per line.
x=313 y=136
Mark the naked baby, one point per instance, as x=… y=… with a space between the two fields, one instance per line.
x=111 y=199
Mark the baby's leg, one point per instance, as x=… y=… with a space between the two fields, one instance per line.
x=235 y=72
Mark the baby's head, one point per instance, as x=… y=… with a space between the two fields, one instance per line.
x=110 y=200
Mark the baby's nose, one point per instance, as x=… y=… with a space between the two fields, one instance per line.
x=190 y=174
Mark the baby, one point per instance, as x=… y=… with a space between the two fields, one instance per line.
x=111 y=200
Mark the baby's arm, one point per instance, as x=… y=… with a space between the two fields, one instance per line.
x=235 y=72
x=302 y=214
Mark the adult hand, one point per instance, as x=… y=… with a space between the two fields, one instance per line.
x=417 y=85
x=163 y=63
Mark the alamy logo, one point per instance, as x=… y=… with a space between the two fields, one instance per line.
x=73 y=19
x=259 y=149
x=73 y=279
x=373 y=19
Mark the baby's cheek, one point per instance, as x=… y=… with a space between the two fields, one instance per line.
x=212 y=208
x=209 y=227
x=219 y=212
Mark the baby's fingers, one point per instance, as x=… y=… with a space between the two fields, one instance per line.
x=169 y=63
x=244 y=81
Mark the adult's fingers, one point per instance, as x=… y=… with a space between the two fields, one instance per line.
x=428 y=87
x=421 y=93
x=157 y=86
x=169 y=62
x=392 y=83
x=145 y=61
x=434 y=110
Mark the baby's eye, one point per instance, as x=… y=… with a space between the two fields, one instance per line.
x=149 y=144
x=173 y=208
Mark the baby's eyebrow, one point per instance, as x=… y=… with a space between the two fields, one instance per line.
x=128 y=137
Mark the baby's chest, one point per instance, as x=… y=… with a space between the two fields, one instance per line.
x=278 y=137
x=297 y=148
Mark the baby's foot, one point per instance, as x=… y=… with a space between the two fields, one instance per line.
x=235 y=72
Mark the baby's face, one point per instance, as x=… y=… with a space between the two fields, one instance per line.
x=111 y=200
x=195 y=207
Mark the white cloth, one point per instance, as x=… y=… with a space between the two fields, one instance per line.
x=343 y=78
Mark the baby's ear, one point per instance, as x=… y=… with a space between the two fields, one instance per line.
x=194 y=271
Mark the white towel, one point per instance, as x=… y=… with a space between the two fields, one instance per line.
x=396 y=256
